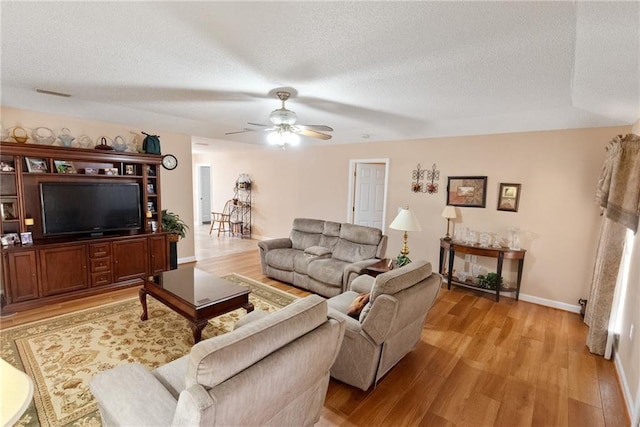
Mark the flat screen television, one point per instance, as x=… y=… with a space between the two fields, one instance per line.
x=89 y=207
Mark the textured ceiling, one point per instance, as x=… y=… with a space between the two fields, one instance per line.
x=386 y=70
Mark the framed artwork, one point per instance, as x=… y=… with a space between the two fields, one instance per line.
x=8 y=211
x=63 y=166
x=467 y=191
x=26 y=238
x=36 y=165
x=10 y=239
x=509 y=197
x=129 y=170
x=150 y=189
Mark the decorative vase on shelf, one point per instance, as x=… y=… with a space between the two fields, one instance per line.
x=65 y=138
x=514 y=242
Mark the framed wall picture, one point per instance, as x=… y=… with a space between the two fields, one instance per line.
x=467 y=191
x=36 y=165
x=509 y=197
x=8 y=210
x=26 y=238
x=63 y=166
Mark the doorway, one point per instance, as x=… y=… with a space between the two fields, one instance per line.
x=368 y=181
x=204 y=194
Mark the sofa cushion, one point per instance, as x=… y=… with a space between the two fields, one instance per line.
x=330 y=234
x=306 y=232
x=353 y=252
x=361 y=234
x=282 y=259
x=327 y=270
x=214 y=360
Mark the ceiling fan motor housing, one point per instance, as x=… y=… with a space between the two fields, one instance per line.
x=282 y=116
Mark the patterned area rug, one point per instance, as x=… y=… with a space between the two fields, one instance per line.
x=61 y=354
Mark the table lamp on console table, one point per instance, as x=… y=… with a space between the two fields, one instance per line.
x=449 y=212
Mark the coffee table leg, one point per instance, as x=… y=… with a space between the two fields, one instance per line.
x=143 y=300
x=197 y=328
x=248 y=306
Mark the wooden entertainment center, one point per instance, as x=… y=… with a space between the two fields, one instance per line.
x=58 y=268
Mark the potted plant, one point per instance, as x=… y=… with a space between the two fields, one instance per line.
x=172 y=223
x=490 y=281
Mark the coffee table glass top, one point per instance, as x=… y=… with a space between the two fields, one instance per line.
x=196 y=286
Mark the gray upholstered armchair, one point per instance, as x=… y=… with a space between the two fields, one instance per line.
x=389 y=325
x=271 y=370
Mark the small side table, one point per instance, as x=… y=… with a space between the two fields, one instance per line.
x=379 y=267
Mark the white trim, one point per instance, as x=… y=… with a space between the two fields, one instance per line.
x=351 y=193
x=186 y=260
x=551 y=303
x=626 y=391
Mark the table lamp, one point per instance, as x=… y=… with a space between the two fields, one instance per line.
x=405 y=221
x=449 y=212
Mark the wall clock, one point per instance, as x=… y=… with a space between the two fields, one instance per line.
x=170 y=162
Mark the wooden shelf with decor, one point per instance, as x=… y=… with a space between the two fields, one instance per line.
x=62 y=265
x=449 y=248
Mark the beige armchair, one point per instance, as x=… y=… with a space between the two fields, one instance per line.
x=390 y=324
x=273 y=369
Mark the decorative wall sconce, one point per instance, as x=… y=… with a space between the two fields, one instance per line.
x=430 y=185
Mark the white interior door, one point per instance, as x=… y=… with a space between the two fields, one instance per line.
x=204 y=194
x=369 y=198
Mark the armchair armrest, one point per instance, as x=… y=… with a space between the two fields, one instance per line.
x=195 y=408
x=377 y=323
x=266 y=245
x=362 y=284
x=354 y=270
x=118 y=392
x=283 y=242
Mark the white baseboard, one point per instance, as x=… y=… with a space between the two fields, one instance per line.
x=626 y=391
x=551 y=303
x=186 y=260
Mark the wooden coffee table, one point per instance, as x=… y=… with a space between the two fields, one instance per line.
x=196 y=295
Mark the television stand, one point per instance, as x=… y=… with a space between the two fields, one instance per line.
x=59 y=268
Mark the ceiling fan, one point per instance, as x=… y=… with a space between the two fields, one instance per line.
x=284 y=129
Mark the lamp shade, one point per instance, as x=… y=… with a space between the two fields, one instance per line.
x=449 y=212
x=406 y=221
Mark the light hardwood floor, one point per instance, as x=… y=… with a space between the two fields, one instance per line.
x=479 y=363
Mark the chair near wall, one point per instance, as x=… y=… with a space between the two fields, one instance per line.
x=223 y=219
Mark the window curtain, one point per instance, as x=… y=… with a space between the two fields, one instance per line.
x=618 y=195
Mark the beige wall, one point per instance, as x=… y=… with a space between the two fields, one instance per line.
x=176 y=185
x=558 y=171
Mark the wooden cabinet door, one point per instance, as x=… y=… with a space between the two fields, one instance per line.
x=64 y=269
x=22 y=276
x=130 y=259
x=158 y=254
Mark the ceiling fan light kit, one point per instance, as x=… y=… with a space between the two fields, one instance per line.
x=284 y=130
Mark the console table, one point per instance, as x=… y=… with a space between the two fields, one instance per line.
x=451 y=247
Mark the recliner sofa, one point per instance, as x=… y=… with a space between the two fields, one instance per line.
x=273 y=369
x=320 y=256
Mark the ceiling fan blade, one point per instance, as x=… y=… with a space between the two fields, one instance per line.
x=313 y=134
x=239 y=131
x=316 y=127
x=261 y=125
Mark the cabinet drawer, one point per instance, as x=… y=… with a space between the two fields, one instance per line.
x=100 y=264
x=97 y=250
x=99 y=279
